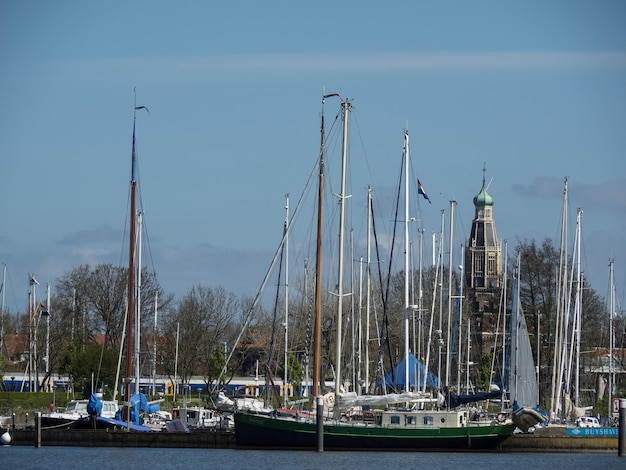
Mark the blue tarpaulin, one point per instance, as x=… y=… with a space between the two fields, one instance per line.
x=416 y=369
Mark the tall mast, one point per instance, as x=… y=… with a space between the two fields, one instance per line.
x=460 y=322
x=131 y=265
x=505 y=383
x=4 y=280
x=419 y=307
x=345 y=106
x=154 y=341
x=611 y=336
x=131 y=273
x=514 y=329
x=560 y=328
x=368 y=289
x=137 y=334
x=448 y=357
x=317 y=337
x=406 y=261
x=440 y=268
x=47 y=312
x=578 y=305
x=286 y=296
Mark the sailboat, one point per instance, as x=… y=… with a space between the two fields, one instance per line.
x=128 y=416
x=523 y=385
x=410 y=426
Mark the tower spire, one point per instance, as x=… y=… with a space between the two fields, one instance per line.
x=483 y=266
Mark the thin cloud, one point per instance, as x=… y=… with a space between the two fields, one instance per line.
x=609 y=194
x=541 y=187
x=85 y=237
x=190 y=68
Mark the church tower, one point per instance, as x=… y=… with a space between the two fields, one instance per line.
x=483 y=270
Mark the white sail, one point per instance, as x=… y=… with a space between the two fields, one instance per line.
x=523 y=385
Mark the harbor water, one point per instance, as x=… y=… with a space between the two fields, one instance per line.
x=103 y=458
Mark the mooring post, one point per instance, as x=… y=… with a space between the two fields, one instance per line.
x=319 y=415
x=13 y=421
x=38 y=429
x=622 y=427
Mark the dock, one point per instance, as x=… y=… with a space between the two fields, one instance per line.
x=118 y=438
x=543 y=440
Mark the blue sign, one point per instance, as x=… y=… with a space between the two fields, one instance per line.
x=604 y=432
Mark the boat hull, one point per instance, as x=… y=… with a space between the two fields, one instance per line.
x=57 y=422
x=253 y=431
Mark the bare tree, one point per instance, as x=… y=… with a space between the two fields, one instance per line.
x=205 y=319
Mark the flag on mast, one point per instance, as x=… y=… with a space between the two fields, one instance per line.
x=422 y=191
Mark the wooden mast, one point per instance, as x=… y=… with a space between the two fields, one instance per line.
x=131 y=270
x=317 y=335
x=318 y=266
x=131 y=277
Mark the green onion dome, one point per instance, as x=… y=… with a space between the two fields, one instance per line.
x=483 y=198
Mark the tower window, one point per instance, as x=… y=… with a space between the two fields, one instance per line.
x=492 y=268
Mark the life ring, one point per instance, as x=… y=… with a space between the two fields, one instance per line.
x=501 y=418
x=329 y=400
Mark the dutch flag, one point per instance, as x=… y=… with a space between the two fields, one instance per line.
x=422 y=191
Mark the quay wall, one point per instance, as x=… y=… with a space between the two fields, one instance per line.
x=114 y=438
x=553 y=442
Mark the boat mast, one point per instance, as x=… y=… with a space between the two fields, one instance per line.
x=448 y=356
x=345 y=106
x=47 y=314
x=406 y=261
x=4 y=280
x=505 y=384
x=131 y=275
x=515 y=312
x=460 y=323
x=131 y=266
x=317 y=337
x=611 y=336
x=286 y=296
x=368 y=289
x=154 y=341
x=560 y=326
x=577 y=308
x=137 y=334
x=440 y=286
x=420 y=305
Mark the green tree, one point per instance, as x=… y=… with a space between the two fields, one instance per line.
x=294 y=372
x=91 y=369
x=483 y=374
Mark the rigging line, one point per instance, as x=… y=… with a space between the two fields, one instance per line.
x=270 y=355
x=355 y=122
x=391 y=259
x=385 y=295
x=381 y=329
x=249 y=315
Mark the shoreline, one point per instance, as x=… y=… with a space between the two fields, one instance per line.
x=547 y=440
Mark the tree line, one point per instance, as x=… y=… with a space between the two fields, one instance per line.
x=196 y=333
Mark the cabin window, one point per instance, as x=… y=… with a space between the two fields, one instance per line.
x=410 y=420
x=428 y=420
x=395 y=419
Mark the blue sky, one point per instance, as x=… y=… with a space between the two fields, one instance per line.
x=535 y=89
